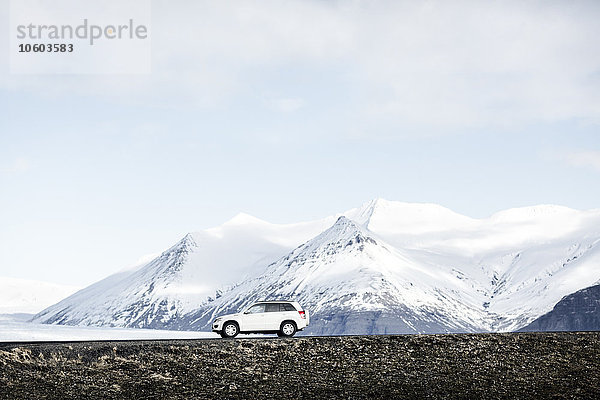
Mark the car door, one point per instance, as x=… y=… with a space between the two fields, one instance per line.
x=273 y=316
x=254 y=318
x=289 y=312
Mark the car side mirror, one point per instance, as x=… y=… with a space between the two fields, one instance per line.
x=246 y=312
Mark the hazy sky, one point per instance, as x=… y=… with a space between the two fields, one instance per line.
x=294 y=110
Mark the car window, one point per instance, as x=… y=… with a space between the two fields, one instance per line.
x=286 y=307
x=272 y=307
x=256 y=309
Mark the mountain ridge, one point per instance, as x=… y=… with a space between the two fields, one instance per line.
x=409 y=268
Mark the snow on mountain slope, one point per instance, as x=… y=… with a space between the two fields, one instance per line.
x=412 y=219
x=28 y=296
x=348 y=271
x=518 y=263
x=399 y=267
x=193 y=272
x=18 y=331
x=530 y=282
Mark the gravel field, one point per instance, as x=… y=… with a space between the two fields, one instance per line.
x=512 y=365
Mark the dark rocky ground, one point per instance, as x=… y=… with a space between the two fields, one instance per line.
x=468 y=366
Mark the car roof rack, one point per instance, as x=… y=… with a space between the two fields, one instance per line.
x=274 y=301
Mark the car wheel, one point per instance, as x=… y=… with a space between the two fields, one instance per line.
x=288 y=329
x=230 y=330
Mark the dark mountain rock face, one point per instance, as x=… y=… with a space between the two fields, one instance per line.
x=579 y=311
x=397 y=320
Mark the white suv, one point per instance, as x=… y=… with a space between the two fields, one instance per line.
x=284 y=318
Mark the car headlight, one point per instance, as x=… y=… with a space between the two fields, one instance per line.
x=217 y=320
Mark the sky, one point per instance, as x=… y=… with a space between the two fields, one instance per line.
x=296 y=110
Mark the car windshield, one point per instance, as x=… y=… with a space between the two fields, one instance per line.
x=255 y=309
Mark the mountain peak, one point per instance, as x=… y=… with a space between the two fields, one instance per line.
x=243 y=219
x=343 y=220
x=380 y=215
x=364 y=213
x=344 y=226
x=180 y=249
x=342 y=233
x=188 y=241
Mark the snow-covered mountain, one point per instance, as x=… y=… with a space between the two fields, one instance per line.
x=385 y=267
x=192 y=273
x=354 y=282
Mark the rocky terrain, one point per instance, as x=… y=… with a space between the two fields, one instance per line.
x=512 y=365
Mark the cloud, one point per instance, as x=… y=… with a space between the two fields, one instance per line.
x=286 y=105
x=19 y=165
x=589 y=159
x=405 y=64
